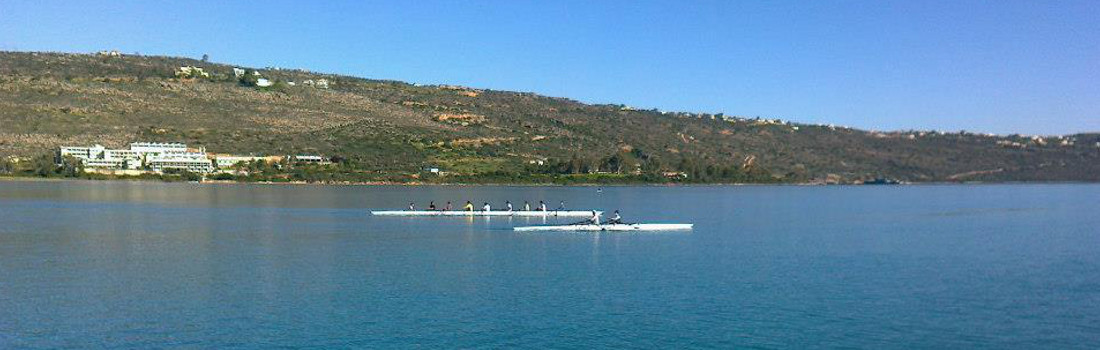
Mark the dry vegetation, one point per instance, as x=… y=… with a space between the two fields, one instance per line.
x=51 y=99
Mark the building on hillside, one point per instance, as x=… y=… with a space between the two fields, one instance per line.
x=193 y=162
x=226 y=161
x=262 y=82
x=100 y=157
x=153 y=156
x=171 y=156
x=158 y=147
x=237 y=72
x=309 y=159
x=82 y=152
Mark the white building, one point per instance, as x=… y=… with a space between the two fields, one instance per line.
x=263 y=82
x=82 y=152
x=310 y=159
x=116 y=164
x=196 y=163
x=158 y=147
x=161 y=157
x=226 y=161
x=151 y=155
x=122 y=154
x=100 y=157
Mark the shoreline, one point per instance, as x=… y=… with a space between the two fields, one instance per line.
x=5 y=178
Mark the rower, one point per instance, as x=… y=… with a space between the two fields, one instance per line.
x=595 y=219
x=431 y=205
x=412 y=207
x=615 y=218
x=526 y=206
x=508 y=204
x=486 y=207
x=448 y=207
x=542 y=206
x=561 y=206
x=469 y=206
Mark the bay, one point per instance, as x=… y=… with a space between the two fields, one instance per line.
x=143 y=264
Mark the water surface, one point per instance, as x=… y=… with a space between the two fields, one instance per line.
x=144 y=264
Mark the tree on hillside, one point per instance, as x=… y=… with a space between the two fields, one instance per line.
x=44 y=165
x=280 y=86
x=70 y=167
x=613 y=164
x=249 y=78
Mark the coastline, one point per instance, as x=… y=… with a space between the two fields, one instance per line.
x=7 y=178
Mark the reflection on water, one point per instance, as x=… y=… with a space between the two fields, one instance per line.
x=980 y=211
x=141 y=264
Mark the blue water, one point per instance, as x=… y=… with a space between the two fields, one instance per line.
x=140 y=265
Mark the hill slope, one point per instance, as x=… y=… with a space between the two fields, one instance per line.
x=386 y=127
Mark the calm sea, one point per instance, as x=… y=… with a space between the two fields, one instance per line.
x=152 y=265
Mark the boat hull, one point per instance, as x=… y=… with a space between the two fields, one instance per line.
x=533 y=213
x=616 y=227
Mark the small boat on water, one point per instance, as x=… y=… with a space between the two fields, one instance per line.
x=531 y=213
x=607 y=227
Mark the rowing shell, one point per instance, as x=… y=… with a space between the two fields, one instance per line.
x=536 y=213
x=612 y=227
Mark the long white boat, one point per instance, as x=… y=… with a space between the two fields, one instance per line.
x=533 y=213
x=607 y=227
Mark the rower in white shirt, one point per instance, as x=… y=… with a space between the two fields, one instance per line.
x=595 y=219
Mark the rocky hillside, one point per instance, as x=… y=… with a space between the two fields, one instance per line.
x=375 y=126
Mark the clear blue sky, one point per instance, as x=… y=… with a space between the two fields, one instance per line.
x=987 y=66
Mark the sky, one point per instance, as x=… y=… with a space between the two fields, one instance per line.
x=1005 y=66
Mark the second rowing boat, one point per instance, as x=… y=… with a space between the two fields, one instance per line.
x=535 y=213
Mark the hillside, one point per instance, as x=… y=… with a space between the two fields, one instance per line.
x=392 y=130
